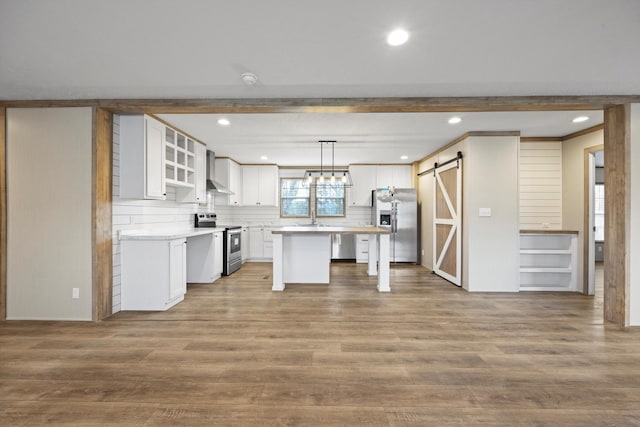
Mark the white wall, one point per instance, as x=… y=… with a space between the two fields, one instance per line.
x=491 y=244
x=541 y=185
x=139 y=214
x=49 y=192
x=634 y=232
x=573 y=175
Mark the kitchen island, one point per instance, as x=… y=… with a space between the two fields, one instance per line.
x=302 y=254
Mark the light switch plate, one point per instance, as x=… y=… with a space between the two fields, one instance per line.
x=484 y=212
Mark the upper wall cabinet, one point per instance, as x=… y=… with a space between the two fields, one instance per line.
x=197 y=193
x=142 y=158
x=369 y=177
x=398 y=176
x=364 y=181
x=260 y=185
x=229 y=174
x=180 y=159
x=153 y=155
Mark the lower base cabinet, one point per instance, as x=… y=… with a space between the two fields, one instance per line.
x=154 y=274
x=204 y=258
x=362 y=248
x=260 y=244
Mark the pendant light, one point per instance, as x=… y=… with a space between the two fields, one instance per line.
x=345 y=179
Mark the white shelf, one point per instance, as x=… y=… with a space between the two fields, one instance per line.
x=546 y=270
x=546 y=251
x=548 y=261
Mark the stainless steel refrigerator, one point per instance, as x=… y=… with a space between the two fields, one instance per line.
x=396 y=209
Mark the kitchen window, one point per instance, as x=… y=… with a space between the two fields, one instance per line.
x=294 y=198
x=330 y=198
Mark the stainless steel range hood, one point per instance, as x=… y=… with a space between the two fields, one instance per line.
x=214 y=186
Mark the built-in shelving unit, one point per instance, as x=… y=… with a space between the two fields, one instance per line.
x=548 y=260
x=180 y=159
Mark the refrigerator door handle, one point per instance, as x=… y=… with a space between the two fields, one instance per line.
x=394 y=224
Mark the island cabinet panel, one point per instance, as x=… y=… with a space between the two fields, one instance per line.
x=154 y=274
x=306 y=258
x=142 y=158
x=260 y=185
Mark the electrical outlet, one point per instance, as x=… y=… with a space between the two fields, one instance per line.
x=75 y=293
x=423 y=252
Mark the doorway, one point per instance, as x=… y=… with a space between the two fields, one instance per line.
x=595 y=210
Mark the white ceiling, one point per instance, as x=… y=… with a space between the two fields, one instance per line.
x=292 y=139
x=70 y=49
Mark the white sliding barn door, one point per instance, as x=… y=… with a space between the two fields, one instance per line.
x=447 y=222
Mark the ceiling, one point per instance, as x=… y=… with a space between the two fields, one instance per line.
x=292 y=139
x=70 y=49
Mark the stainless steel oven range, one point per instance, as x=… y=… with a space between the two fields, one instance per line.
x=231 y=243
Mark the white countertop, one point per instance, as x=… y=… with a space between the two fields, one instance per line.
x=150 y=234
x=328 y=229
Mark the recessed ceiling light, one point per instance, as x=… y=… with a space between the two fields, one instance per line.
x=264 y=157
x=580 y=119
x=397 y=37
x=404 y=157
x=224 y=122
x=454 y=120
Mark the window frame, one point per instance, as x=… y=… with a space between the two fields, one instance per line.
x=343 y=198
x=282 y=197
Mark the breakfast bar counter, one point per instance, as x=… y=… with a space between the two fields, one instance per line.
x=302 y=254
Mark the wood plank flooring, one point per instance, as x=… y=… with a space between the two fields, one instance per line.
x=236 y=353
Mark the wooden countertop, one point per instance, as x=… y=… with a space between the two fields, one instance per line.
x=547 y=231
x=323 y=229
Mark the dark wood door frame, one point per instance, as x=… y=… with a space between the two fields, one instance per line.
x=617 y=146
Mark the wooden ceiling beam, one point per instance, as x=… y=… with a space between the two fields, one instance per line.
x=341 y=105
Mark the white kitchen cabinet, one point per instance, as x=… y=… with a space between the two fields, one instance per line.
x=197 y=193
x=260 y=244
x=180 y=159
x=229 y=174
x=204 y=258
x=244 y=244
x=402 y=176
x=154 y=274
x=364 y=182
x=256 y=243
x=142 y=158
x=398 y=176
x=260 y=185
x=362 y=248
x=217 y=252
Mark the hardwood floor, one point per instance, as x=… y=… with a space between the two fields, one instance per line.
x=236 y=353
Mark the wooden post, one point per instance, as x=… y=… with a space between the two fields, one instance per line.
x=617 y=151
x=101 y=214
